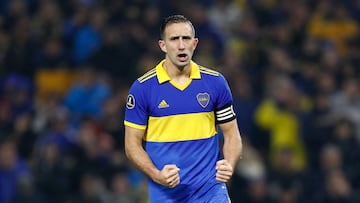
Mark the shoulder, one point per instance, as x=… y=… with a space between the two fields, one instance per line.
x=143 y=81
x=212 y=75
x=147 y=76
x=208 y=71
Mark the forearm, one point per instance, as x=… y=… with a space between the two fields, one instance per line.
x=232 y=148
x=135 y=152
x=142 y=161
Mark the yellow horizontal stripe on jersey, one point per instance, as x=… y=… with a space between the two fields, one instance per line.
x=133 y=125
x=181 y=127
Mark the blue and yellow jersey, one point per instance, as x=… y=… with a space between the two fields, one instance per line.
x=180 y=125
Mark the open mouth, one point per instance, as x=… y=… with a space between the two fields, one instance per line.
x=182 y=57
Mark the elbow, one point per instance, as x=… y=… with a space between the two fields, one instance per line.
x=127 y=152
x=131 y=150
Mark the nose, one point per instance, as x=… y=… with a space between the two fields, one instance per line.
x=181 y=44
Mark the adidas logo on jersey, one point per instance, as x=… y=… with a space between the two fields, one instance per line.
x=163 y=104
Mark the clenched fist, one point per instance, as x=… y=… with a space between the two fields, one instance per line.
x=169 y=176
x=224 y=171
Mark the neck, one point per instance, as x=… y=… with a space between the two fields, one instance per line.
x=179 y=75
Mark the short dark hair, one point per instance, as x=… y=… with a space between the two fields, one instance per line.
x=173 y=19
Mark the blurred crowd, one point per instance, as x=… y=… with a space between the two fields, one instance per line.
x=66 y=67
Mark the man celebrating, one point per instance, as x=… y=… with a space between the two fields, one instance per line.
x=175 y=108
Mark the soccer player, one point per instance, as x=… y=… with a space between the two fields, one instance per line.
x=175 y=109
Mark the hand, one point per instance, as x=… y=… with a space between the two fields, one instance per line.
x=169 y=176
x=224 y=171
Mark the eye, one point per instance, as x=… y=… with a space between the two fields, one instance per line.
x=174 y=38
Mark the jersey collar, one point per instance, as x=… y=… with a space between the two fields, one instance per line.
x=164 y=77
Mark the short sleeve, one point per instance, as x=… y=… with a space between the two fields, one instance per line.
x=224 y=97
x=136 y=114
x=224 y=111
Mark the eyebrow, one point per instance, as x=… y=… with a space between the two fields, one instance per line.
x=178 y=37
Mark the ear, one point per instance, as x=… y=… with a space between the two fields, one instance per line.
x=196 y=41
x=162 y=45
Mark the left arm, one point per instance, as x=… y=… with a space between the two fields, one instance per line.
x=226 y=119
x=232 y=150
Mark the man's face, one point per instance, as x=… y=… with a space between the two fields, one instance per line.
x=179 y=43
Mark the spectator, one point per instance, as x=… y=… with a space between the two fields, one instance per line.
x=87 y=95
x=257 y=192
x=331 y=22
x=20 y=55
x=12 y=170
x=27 y=192
x=346 y=103
x=51 y=174
x=88 y=38
x=89 y=190
x=279 y=110
x=121 y=189
x=24 y=136
x=338 y=188
x=223 y=14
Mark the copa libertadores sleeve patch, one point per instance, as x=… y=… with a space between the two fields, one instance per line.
x=225 y=114
x=130 y=101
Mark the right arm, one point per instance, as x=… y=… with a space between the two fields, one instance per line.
x=168 y=176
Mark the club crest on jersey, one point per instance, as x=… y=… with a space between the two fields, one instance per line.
x=130 y=101
x=203 y=99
